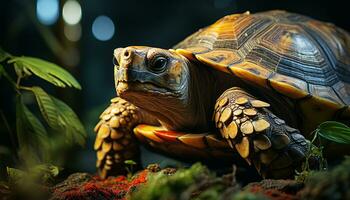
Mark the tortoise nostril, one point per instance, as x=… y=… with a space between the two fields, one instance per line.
x=115 y=61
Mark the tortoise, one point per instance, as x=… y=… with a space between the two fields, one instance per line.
x=253 y=85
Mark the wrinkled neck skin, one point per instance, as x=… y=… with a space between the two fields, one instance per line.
x=190 y=107
x=205 y=86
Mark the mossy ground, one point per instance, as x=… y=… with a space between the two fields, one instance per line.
x=199 y=183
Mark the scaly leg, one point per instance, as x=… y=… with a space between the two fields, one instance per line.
x=259 y=136
x=115 y=141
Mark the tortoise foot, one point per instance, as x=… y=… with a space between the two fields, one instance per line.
x=115 y=141
x=260 y=137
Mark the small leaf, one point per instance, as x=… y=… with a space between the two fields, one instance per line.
x=44 y=172
x=47 y=71
x=31 y=134
x=15 y=175
x=335 y=131
x=129 y=162
x=46 y=168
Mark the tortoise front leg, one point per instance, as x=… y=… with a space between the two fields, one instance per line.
x=115 y=141
x=275 y=149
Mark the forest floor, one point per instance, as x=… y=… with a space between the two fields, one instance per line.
x=198 y=182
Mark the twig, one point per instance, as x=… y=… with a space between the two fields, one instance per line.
x=13 y=140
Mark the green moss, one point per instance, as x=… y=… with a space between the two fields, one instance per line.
x=334 y=184
x=248 y=196
x=196 y=183
x=161 y=186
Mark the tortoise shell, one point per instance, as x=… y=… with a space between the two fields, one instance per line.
x=294 y=55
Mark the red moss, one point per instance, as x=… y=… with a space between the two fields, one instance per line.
x=273 y=194
x=96 y=188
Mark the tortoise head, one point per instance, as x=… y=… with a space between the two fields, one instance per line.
x=159 y=81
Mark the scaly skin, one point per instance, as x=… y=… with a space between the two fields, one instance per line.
x=259 y=136
x=115 y=142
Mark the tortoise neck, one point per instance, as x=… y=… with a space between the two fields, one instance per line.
x=192 y=110
x=195 y=109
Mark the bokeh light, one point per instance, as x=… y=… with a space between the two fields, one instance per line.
x=72 y=32
x=103 y=28
x=47 y=11
x=71 y=12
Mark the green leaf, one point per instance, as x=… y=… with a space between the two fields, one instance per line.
x=21 y=70
x=130 y=162
x=47 y=71
x=334 y=131
x=73 y=127
x=45 y=172
x=41 y=174
x=60 y=116
x=15 y=175
x=46 y=168
x=47 y=107
x=4 y=55
x=31 y=134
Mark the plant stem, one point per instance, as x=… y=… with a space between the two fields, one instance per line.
x=18 y=82
x=13 y=140
x=25 y=88
x=315 y=136
x=12 y=82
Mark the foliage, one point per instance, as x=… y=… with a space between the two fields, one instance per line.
x=334 y=131
x=22 y=183
x=334 y=184
x=38 y=141
x=50 y=72
x=40 y=174
x=129 y=165
x=329 y=130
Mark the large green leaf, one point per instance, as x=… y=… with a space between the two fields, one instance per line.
x=31 y=134
x=47 y=71
x=66 y=116
x=47 y=107
x=335 y=131
x=60 y=116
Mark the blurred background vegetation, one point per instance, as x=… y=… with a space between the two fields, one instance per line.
x=81 y=36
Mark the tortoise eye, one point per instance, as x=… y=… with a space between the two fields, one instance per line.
x=158 y=64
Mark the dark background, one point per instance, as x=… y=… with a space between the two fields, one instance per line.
x=158 y=23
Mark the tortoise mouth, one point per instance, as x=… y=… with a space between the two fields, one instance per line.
x=138 y=86
x=127 y=79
